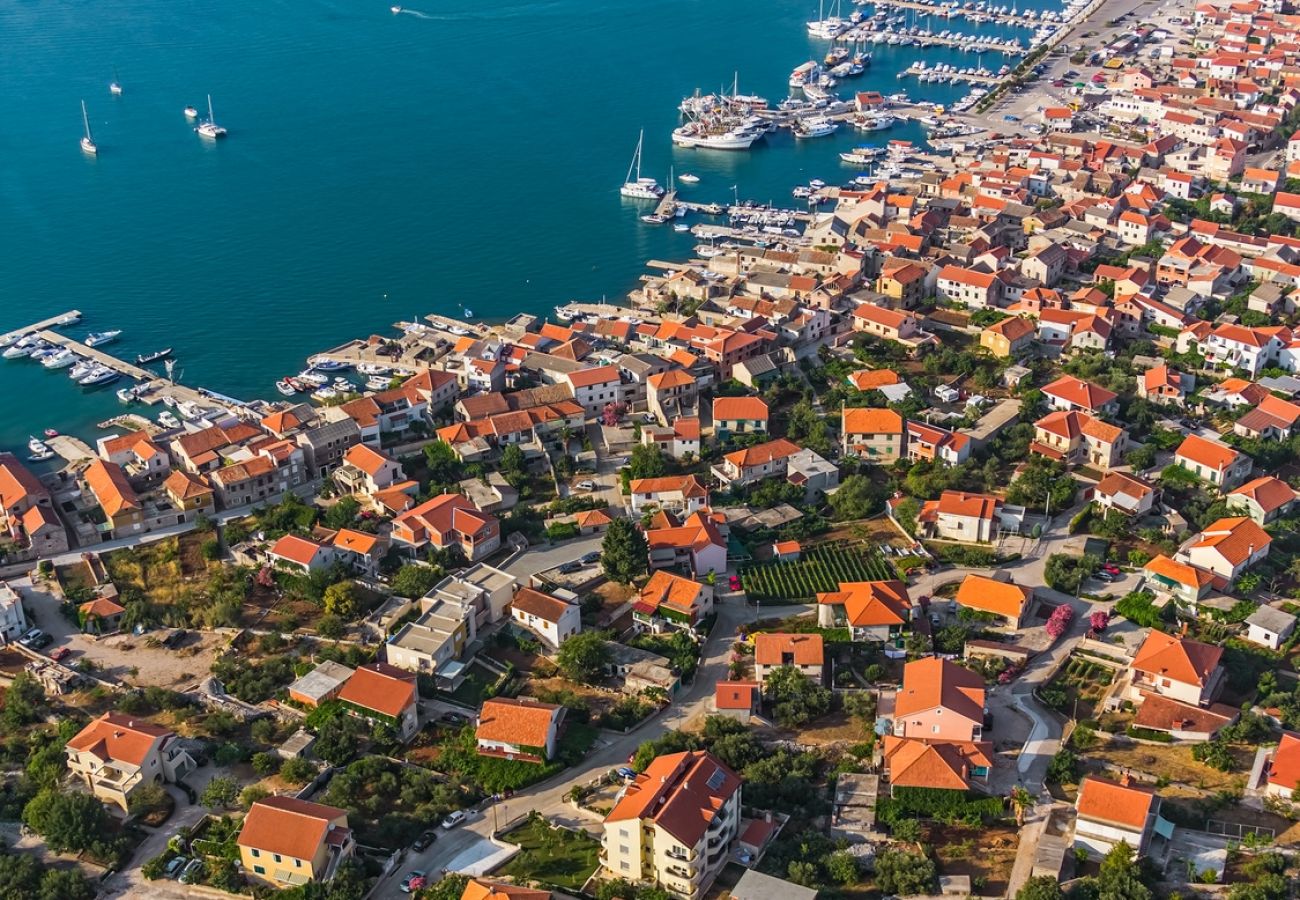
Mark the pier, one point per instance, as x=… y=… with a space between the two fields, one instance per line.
x=69 y=318
x=974 y=15
x=667 y=206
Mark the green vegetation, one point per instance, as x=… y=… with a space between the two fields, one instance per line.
x=822 y=568
x=939 y=804
x=624 y=552
x=551 y=856
x=584 y=656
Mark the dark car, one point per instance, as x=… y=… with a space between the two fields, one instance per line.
x=423 y=841
x=454 y=718
x=592 y=557
x=570 y=567
x=41 y=641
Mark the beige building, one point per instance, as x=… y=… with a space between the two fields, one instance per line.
x=115 y=754
x=287 y=842
x=675 y=824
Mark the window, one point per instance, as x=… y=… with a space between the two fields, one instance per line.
x=278 y=858
x=260 y=870
x=624 y=866
x=256 y=853
x=297 y=863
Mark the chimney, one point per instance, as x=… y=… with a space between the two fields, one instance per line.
x=1125 y=780
x=767 y=816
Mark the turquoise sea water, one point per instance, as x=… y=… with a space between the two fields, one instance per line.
x=378 y=166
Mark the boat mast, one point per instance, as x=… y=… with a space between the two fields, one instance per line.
x=86 y=119
x=636 y=160
x=211 y=120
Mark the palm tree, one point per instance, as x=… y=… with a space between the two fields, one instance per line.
x=1021 y=800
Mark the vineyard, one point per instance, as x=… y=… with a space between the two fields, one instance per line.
x=822 y=569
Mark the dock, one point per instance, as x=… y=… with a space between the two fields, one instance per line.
x=71 y=449
x=70 y=317
x=974 y=15
x=667 y=206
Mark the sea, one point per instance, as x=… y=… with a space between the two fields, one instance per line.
x=457 y=155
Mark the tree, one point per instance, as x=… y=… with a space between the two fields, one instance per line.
x=797 y=699
x=342 y=600
x=857 y=498
x=1021 y=800
x=343 y=513
x=414 y=581
x=1040 y=887
x=1120 y=877
x=339 y=739
x=67 y=822
x=222 y=792
x=1067 y=573
x=612 y=413
x=514 y=465
x=584 y=656
x=842 y=866
x=1040 y=478
x=646 y=462
x=443 y=464
x=330 y=627
x=1064 y=768
x=266 y=763
x=901 y=872
x=64 y=884
x=298 y=771
x=1059 y=621
x=906 y=512
x=22 y=702
x=1098 y=621
x=624 y=552
x=146 y=798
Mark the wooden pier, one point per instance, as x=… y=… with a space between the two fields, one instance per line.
x=44 y=324
x=667 y=206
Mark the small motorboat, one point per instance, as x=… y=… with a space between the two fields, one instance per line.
x=168 y=420
x=36 y=445
x=654 y=219
x=81 y=369
x=126 y=394
x=324 y=394
x=41 y=457
x=313 y=378
x=60 y=359
x=51 y=432
x=688 y=178
x=285 y=388
x=191 y=112
x=681 y=227
x=145 y=358
x=328 y=365
x=372 y=369
x=378 y=383
x=10 y=340
x=395 y=9
x=101 y=337
x=102 y=375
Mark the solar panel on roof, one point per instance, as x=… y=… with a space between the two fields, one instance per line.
x=716 y=779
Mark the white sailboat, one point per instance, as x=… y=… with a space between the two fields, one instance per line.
x=115 y=86
x=639 y=188
x=210 y=128
x=87 y=142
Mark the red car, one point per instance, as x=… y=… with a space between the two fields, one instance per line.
x=60 y=654
x=1111 y=568
x=735 y=582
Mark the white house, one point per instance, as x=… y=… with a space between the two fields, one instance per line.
x=518 y=729
x=1113 y=812
x=13 y=622
x=1269 y=627
x=550 y=618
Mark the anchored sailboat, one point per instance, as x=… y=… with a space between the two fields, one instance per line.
x=210 y=128
x=87 y=142
x=639 y=188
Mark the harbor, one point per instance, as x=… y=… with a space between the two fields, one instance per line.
x=978 y=14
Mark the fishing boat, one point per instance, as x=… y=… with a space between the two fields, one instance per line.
x=285 y=388
x=145 y=358
x=94 y=339
x=191 y=112
x=87 y=142
x=167 y=420
x=688 y=178
x=42 y=456
x=210 y=128
x=36 y=445
x=328 y=365
x=639 y=188
x=60 y=359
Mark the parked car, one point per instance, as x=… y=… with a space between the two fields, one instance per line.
x=453 y=718
x=60 y=654
x=625 y=772
x=570 y=567
x=453 y=819
x=30 y=637
x=192 y=872
x=734 y=582
x=41 y=641
x=591 y=558
x=423 y=841
x=1111 y=568
x=586 y=485
x=413 y=881
x=173 y=868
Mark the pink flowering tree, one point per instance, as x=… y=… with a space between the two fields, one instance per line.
x=1098 y=621
x=612 y=413
x=1059 y=621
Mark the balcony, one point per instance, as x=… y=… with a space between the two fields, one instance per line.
x=682 y=855
x=682 y=872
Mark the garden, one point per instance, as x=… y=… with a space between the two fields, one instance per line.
x=554 y=857
x=822 y=568
x=1078 y=688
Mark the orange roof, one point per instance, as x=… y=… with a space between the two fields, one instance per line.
x=115 y=737
x=869 y=379
x=1115 y=802
x=881 y=315
x=960 y=503
x=673 y=378
x=1181 y=659
x=296 y=549
x=1079 y=393
x=735 y=694
x=687 y=485
x=1180 y=572
x=1205 y=452
x=1119 y=483
x=759 y=454
x=289 y=826
x=1235 y=539
x=915 y=763
x=680 y=792
x=871 y=603
x=368 y=460
x=536 y=603
x=185 y=486
x=123 y=442
x=805 y=649
x=867 y=420
x=682 y=594
x=524 y=723
x=593 y=376
x=1269 y=492
x=356 y=541
x=1014 y=328
x=381 y=688
x=592 y=518
x=932 y=682
x=1284 y=767
x=990 y=595
x=108 y=483
x=101 y=607
x=729 y=409
x=478 y=889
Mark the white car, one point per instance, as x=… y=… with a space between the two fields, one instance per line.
x=453 y=819
x=586 y=485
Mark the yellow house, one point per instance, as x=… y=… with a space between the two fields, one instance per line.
x=904 y=282
x=1008 y=338
x=187 y=492
x=287 y=842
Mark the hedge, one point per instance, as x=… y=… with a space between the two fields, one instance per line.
x=937 y=803
x=1147 y=734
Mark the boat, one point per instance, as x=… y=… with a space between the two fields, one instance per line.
x=285 y=388
x=688 y=178
x=210 y=128
x=126 y=394
x=639 y=188
x=10 y=340
x=315 y=379
x=814 y=127
x=342 y=383
x=167 y=420
x=115 y=86
x=60 y=359
x=373 y=369
x=87 y=142
x=708 y=251
x=36 y=445
x=324 y=394
x=328 y=365
x=378 y=383
x=145 y=358
x=101 y=375
x=18 y=351
x=191 y=112
x=681 y=226
x=94 y=339
x=654 y=219
x=41 y=457
x=395 y=9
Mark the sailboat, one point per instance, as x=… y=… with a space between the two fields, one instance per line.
x=115 y=86
x=640 y=188
x=87 y=142
x=210 y=128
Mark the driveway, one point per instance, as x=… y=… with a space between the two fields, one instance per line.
x=539 y=559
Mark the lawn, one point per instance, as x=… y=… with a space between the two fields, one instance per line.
x=479 y=681
x=555 y=857
x=822 y=568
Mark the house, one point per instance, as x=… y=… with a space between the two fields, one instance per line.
x=874 y=435
x=676 y=493
x=286 y=842
x=1161 y=384
x=1179 y=668
x=1263 y=499
x=671 y=394
x=1227 y=548
x=1003 y=599
x=301 y=554
x=754 y=885
x=594 y=388
x=108 y=484
x=1185 y=583
x=116 y=754
x=887 y=324
x=1010 y=338
x=518 y=729
x=448 y=522
x=1272 y=419
x=549 y=618
x=804 y=652
x=740 y=700
x=969 y=287
x=1108 y=813
x=674 y=824
x=144 y=462
x=1269 y=627
x=871 y=610
x=669 y=600
x=744 y=467
x=1067 y=393
x=696 y=545
x=433 y=643
x=943 y=765
x=383 y=694
x=1131 y=496
x=13 y=620
x=321 y=685
x=1281 y=773
x=100 y=616
x=939 y=701
x=677 y=440
x=27 y=513
x=189 y=493
x=815 y=474
x=1213 y=461
x=962 y=516
x=359 y=551
x=1077 y=438
x=739 y=415
x=478 y=889
x=368 y=471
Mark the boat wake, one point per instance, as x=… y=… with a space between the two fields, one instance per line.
x=416 y=13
